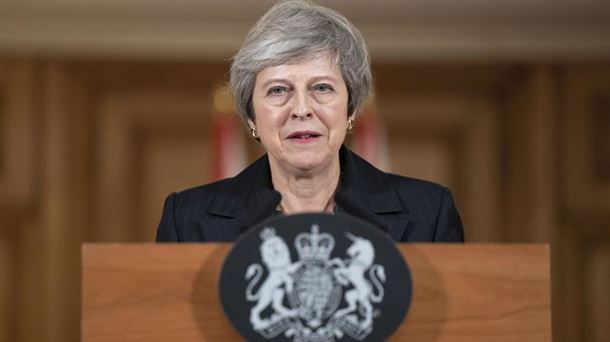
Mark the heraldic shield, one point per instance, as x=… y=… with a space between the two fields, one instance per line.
x=315 y=278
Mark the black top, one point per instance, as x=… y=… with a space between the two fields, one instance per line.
x=409 y=210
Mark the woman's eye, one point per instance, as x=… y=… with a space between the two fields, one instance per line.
x=277 y=91
x=323 y=88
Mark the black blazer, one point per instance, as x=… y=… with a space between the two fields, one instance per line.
x=409 y=210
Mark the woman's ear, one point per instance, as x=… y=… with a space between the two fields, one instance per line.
x=251 y=124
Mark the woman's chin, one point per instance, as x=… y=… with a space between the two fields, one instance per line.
x=310 y=162
x=305 y=167
x=304 y=160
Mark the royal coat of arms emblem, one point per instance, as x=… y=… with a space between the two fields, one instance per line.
x=316 y=293
x=314 y=286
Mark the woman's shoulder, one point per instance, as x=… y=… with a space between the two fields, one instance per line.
x=202 y=189
x=427 y=204
x=197 y=196
x=415 y=184
x=424 y=197
x=404 y=184
x=231 y=189
x=419 y=191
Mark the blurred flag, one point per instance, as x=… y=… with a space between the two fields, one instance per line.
x=228 y=137
x=370 y=139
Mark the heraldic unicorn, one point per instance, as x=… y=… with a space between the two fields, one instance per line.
x=315 y=298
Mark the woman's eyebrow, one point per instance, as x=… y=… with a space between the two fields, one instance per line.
x=322 y=78
x=274 y=80
x=309 y=80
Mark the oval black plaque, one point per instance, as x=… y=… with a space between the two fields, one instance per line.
x=315 y=277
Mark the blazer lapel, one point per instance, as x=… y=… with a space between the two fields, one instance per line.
x=245 y=199
x=369 y=193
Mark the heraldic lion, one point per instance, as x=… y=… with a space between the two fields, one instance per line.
x=276 y=257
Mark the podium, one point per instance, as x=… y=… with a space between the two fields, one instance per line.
x=169 y=292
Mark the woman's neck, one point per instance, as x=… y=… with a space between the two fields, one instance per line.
x=306 y=191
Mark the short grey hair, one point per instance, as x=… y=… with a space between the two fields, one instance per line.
x=295 y=31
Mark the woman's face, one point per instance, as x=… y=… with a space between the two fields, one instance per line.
x=301 y=113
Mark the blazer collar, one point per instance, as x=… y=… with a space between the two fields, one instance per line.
x=369 y=185
x=249 y=196
x=369 y=193
x=364 y=191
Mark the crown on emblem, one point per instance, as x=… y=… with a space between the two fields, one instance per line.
x=268 y=232
x=314 y=245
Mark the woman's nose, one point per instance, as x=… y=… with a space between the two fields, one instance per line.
x=301 y=108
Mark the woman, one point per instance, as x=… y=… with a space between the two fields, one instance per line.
x=298 y=81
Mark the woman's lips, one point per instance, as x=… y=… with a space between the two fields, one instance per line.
x=303 y=136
